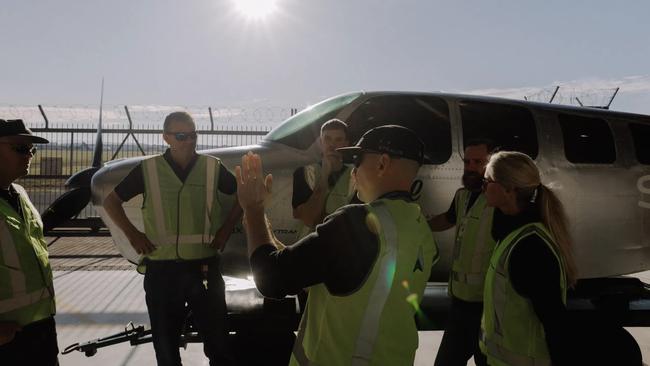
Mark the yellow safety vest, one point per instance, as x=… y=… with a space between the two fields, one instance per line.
x=338 y=196
x=181 y=218
x=26 y=288
x=511 y=332
x=374 y=325
x=473 y=247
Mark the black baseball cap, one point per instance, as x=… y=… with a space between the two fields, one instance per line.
x=394 y=140
x=16 y=127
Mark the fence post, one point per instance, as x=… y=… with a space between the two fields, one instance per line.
x=128 y=115
x=211 y=119
x=47 y=123
x=71 y=152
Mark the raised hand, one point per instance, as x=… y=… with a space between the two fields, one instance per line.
x=252 y=188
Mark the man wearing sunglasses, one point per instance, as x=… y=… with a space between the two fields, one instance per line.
x=472 y=250
x=27 y=329
x=185 y=228
x=319 y=189
x=366 y=265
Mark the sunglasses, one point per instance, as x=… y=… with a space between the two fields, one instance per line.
x=182 y=136
x=357 y=159
x=487 y=181
x=22 y=149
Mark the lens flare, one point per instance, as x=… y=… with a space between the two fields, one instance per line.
x=256 y=9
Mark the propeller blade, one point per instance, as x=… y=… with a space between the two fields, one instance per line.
x=97 y=156
x=82 y=178
x=65 y=207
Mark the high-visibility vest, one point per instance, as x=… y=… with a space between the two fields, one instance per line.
x=511 y=332
x=473 y=246
x=375 y=324
x=181 y=218
x=26 y=288
x=338 y=196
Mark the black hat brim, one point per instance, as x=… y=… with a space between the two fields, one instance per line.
x=34 y=139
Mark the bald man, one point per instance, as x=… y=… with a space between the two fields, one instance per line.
x=366 y=264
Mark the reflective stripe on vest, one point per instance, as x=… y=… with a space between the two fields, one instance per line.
x=11 y=260
x=162 y=231
x=512 y=358
x=472 y=248
x=153 y=189
x=504 y=339
x=20 y=301
x=379 y=294
x=298 y=352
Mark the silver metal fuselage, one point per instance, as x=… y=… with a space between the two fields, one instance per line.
x=608 y=205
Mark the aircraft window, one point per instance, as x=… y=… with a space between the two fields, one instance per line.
x=302 y=129
x=641 y=137
x=510 y=127
x=587 y=140
x=426 y=115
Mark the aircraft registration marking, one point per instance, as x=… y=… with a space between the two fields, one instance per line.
x=640 y=185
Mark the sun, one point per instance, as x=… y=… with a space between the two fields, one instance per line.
x=256 y=9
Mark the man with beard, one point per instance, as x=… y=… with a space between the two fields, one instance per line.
x=319 y=189
x=473 y=247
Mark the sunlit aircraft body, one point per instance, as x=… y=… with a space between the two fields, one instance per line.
x=605 y=197
x=597 y=160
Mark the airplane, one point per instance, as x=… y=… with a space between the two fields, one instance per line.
x=597 y=160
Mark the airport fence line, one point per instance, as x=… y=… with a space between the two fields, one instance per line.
x=72 y=146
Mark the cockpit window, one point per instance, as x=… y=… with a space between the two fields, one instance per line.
x=301 y=130
x=511 y=127
x=587 y=140
x=427 y=115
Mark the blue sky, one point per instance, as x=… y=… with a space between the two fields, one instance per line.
x=204 y=52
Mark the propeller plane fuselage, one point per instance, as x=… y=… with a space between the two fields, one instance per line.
x=595 y=159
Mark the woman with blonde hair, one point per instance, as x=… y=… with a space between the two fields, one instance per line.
x=525 y=321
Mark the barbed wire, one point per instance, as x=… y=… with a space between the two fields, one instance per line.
x=115 y=116
x=574 y=96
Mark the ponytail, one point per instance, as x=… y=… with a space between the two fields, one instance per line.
x=553 y=216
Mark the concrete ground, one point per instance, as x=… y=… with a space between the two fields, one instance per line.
x=98 y=293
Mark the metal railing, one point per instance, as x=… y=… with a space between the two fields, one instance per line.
x=72 y=146
x=72 y=149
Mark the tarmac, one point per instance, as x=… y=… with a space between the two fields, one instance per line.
x=98 y=293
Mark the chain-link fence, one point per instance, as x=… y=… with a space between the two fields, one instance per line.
x=72 y=144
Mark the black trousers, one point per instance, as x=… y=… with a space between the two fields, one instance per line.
x=169 y=286
x=460 y=340
x=36 y=344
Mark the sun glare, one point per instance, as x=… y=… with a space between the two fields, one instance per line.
x=255 y=9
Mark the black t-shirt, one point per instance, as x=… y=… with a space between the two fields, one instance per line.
x=451 y=212
x=133 y=184
x=340 y=254
x=302 y=191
